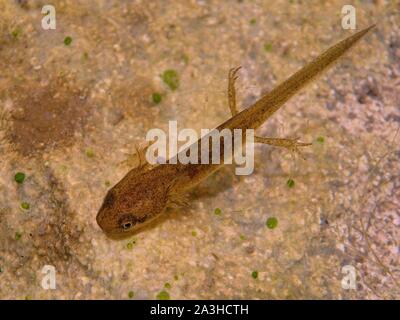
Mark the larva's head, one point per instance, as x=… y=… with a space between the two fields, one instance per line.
x=131 y=204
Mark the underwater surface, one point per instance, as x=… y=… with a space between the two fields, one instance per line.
x=76 y=101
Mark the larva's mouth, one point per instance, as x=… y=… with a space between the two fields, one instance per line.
x=119 y=235
x=123 y=234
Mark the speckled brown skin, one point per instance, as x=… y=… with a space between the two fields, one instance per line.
x=145 y=192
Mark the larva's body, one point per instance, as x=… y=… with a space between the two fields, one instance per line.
x=145 y=192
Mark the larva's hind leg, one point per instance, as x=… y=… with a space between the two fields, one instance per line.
x=290 y=144
x=232 y=77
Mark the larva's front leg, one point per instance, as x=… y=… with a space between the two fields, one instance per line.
x=232 y=77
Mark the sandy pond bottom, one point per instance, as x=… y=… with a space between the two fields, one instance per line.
x=70 y=112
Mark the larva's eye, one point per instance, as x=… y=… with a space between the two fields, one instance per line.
x=127 y=225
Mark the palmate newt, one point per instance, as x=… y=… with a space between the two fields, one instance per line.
x=146 y=191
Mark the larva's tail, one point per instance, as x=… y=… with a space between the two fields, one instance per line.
x=273 y=100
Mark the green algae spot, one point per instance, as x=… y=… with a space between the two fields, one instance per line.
x=67 y=40
x=1 y=269
x=16 y=33
x=320 y=139
x=272 y=223
x=217 y=211
x=194 y=233
x=171 y=79
x=156 y=97
x=185 y=58
x=131 y=294
x=18 y=235
x=25 y=205
x=253 y=21
x=107 y=183
x=89 y=153
x=176 y=277
x=268 y=47
x=163 y=295
x=19 y=177
x=167 y=285
x=130 y=245
x=242 y=237
x=254 y=274
x=290 y=183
